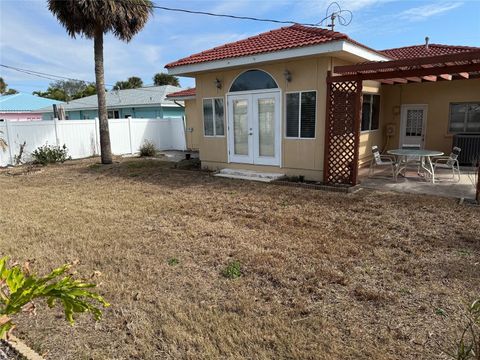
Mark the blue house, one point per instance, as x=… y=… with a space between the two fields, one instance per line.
x=147 y=102
x=23 y=106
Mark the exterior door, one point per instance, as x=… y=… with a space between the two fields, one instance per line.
x=413 y=124
x=254 y=128
x=240 y=129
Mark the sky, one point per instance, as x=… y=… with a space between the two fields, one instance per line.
x=31 y=37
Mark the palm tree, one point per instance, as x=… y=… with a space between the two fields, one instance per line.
x=92 y=19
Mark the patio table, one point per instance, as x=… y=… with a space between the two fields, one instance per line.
x=425 y=159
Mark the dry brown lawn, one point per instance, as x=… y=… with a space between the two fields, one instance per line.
x=325 y=275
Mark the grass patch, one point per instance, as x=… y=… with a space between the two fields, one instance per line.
x=233 y=270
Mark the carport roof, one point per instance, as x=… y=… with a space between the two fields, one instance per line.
x=463 y=65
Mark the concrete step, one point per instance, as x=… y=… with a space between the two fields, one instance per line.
x=249 y=175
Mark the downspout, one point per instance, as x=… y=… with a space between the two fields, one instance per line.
x=184 y=123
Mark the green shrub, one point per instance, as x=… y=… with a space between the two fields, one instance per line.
x=18 y=289
x=173 y=261
x=148 y=149
x=233 y=270
x=50 y=154
x=3 y=143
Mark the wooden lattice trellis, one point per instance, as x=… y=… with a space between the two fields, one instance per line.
x=342 y=132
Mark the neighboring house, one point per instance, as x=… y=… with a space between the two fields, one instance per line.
x=22 y=107
x=188 y=98
x=146 y=102
x=308 y=101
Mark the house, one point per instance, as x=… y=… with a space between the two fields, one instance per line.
x=23 y=106
x=146 y=102
x=309 y=101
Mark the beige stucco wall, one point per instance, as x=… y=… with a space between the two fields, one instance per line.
x=298 y=156
x=437 y=96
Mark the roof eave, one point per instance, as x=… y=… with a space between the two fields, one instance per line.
x=361 y=52
x=182 y=98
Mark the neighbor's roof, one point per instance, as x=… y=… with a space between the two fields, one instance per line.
x=290 y=37
x=418 y=51
x=23 y=102
x=146 y=96
x=183 y=94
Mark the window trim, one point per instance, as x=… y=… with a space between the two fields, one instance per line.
x=371 y=115
x=113 y=113
x=300 y=115
x=212 y=99
x=450 y=132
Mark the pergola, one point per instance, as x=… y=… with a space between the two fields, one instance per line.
x=344 y=101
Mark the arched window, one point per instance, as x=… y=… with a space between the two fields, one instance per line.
x=253 y=80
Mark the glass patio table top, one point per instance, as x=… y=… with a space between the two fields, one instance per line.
x=415 y=152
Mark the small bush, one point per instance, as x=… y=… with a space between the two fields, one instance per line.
x=50 y=154
x=148 y=149
x=233 y=270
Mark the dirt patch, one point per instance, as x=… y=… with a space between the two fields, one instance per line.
x=323 y=275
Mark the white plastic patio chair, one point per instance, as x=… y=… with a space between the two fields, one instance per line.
x=382 y=160
x=449 y=162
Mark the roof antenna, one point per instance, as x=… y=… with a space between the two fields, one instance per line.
x=332 y=25
x=427 y=39
x=342 y=16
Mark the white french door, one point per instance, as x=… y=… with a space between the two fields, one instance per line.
x=254 y=128
x=413 y=124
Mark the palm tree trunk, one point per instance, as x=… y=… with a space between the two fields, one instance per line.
x=105 y=148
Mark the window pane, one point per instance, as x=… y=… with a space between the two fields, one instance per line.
x=375 y=112
x=457 y=117
x=366 y=112
x=208 y=117
x=266 y=127
x=309 y=106
x=219 y=116
x=240 y=127
x=473 y=118
x=293 y=102
x=253 y=80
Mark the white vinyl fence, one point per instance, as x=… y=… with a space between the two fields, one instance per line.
x=82 y=136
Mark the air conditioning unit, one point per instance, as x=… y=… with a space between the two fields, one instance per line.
x=470 y=145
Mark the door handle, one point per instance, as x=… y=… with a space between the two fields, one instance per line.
x=250 y=133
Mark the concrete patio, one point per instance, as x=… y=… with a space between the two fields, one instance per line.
x=413 y=183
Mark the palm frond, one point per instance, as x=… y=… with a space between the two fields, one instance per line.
x=124 y=18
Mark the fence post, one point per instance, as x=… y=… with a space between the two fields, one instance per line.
x=184 y=128
x=9 y=140
x=97 y=140
x=55 y=125
x=130 y=133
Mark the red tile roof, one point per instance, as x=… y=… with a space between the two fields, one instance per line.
x=417 y=51
x=182 y=93
x=290 y=37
